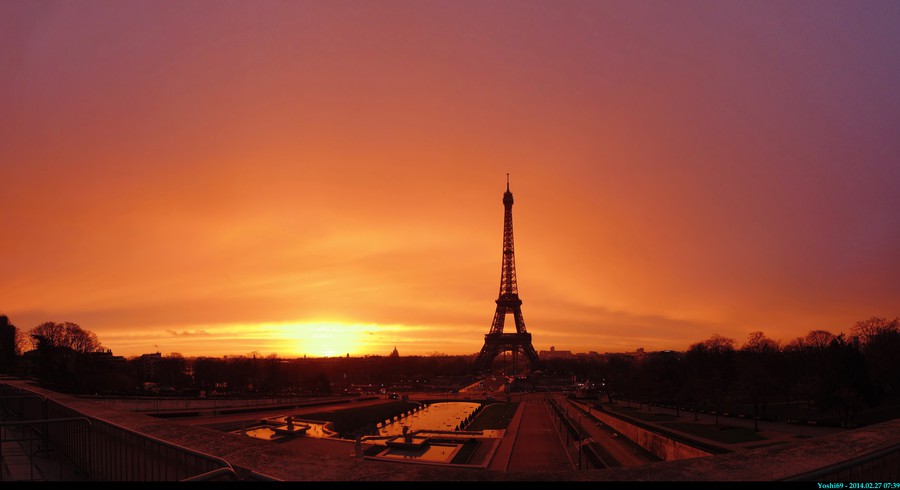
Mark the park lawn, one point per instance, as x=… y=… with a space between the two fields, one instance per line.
x=720 y=433
x=496 y=416
x=765 y=444
x=352 y=419
x=640 y=415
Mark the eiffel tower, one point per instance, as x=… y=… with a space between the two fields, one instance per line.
x=495 y=341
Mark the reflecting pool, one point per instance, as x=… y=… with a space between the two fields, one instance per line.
x=277 y=428
x=432 y=453
x=436 y=416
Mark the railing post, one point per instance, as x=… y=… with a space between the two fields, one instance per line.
x=45 y=414
x=30 y=460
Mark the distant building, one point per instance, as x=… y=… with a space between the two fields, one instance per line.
x=107 y=358
x=7 y=343
x=395 y=353
x=556 y=354
x=639 y=354
x=149 y=365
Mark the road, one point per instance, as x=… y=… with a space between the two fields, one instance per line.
x=624 y=452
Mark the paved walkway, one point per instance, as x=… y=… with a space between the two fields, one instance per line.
x=538 y=446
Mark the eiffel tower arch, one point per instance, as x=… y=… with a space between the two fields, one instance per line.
x=496 y=341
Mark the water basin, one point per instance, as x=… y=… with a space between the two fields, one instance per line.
x=432 y=453
x=407 y=441
x=277 y=428
x=263 y=432
x=442 y=416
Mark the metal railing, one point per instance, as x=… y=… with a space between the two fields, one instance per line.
x=879 y=466
x=106 y=451
x=28 y=431
x=577 y=438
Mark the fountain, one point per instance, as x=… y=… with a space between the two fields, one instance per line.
x=290 y=428
x=408 y=440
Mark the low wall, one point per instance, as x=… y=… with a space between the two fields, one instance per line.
x=168 y=404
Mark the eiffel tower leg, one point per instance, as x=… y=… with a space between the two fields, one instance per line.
x=485 y=358
x=515 y=353
x=532 y=356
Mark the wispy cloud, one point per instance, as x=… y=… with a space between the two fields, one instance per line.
x=185 y=333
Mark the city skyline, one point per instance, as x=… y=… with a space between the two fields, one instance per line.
x=217 y=178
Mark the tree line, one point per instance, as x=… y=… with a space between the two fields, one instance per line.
x=831 y=373
x=65 y=357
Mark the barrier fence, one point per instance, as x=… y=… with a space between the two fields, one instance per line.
x=102 y=450
x=588 y=453
x=881 y=467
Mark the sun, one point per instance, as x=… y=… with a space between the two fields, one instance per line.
x=321 y=338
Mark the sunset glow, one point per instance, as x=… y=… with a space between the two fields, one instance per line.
x=325 y=178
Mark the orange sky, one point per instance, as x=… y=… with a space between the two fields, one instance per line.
x=326 y=177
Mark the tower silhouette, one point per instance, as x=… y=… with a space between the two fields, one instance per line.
x=495 y=341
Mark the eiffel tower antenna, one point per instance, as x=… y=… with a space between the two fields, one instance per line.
x=495 y=341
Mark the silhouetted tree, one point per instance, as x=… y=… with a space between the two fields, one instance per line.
x=21 y=341
x=79 y=339
x=171 y=370
x=48 y=334
x=712 y=362
x=208 y=373
x=662 y=377
x=56 y=364
x=273 y=376
x=866 y=330
x=317 y=384
x=880 y=344
x=818 y=340
x=847 y=385
x=806 y=358
x=63 y=352
x=68 y=335
x=759 y=365
x=238 y=374
x=620 y=371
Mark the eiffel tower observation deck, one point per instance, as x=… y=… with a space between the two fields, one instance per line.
x=508 y=302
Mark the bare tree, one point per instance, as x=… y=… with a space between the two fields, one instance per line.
x=880 y=343
x=819 y=340
x=758 y=342
x=79 y=339
x=720 y=344
x=713 y=362
x=759 y=362
x=866 y=330
x=51 y=333
x=21 y=342
x=66 y=334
